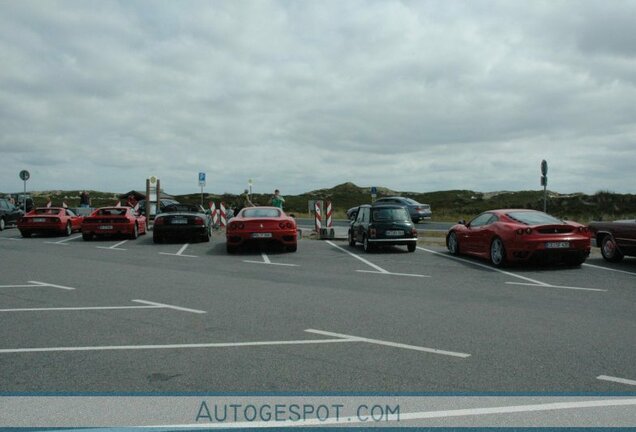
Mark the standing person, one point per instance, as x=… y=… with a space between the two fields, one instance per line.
x=277 y=200
x=85 y=199
x=48 y=202
x=244 y=201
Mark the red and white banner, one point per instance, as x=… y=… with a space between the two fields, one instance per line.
x=223 y=215
x=213 y=212
x=318 y=216
x=329 y=211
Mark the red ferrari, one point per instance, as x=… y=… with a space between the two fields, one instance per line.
x=262 y=224
x=50 y=220
x=520 y=235
x=111 y=221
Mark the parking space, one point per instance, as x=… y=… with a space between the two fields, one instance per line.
x=328 y=317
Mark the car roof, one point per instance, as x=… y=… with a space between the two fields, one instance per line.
x=386 y=205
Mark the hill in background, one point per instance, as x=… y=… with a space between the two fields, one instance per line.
x=446 y=205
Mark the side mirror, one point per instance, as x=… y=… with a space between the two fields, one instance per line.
x=462 y=222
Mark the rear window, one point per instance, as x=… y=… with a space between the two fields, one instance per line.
x=390 y=214
x=411 y=201
x=261 y=213
x=47 y=211
x=534 y=218
x=182 y=208
x=112 y=212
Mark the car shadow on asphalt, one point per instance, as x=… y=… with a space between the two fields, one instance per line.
x=248 y=250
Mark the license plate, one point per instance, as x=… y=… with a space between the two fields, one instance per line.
x=394 y=233
x=180 y=221
x=39 y=220
x=557 y=245
x=105 y=227
x=261 y=235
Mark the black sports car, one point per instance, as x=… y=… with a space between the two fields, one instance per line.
x=182 y=221
x=383 y=225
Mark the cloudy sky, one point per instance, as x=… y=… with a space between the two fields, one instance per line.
x=299 y=95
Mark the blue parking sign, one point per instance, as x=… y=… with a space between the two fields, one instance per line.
x=201 y=179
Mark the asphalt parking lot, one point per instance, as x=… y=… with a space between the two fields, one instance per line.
x=131 y=316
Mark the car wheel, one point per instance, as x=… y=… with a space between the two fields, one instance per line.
x=26 y=234
x=497 y=252
x=366 y=245
x=87 y=236
x=610 y=250
x=2 y=224
x=411 y=247
x=352 y=241
x=292 y=248
x=231 y=249
x=135 y=232
x=452 y=243
x=68 y=230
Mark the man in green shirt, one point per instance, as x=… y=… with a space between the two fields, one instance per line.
x=277 y=200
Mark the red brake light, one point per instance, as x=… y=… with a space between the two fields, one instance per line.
x=159 y=221
x=282 y=225
x=372 y=232
x=198 y=221
x=583 y=229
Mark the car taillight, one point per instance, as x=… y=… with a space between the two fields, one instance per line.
x=287 y=225
x=372 y=232
x=159 y=221
x=236 y=225
x=521 y=231
x=414 y=232
x=198 y=221
x=583 y=229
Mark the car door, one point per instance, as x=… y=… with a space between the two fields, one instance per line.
x=484 y=234
x=362 y=223
x=474 y=232
x=76 y=221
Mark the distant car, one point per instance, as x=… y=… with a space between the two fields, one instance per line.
x=9 y=214
x=510 y=235
x=352 y=213
x=111 y=221
x=182 y=221
x=262 y=224
x=382 y=225
x=616 y=239
x=418 y=212
x=50 y=220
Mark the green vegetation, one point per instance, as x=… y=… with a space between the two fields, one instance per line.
x=446 y=205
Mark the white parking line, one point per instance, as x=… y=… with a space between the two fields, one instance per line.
x=266 y=260
x=167 y=306
x=36 y=284
x=391 y=344
x=617 y=380
x=11 y=238
x=370 y=264
x=609 y=269
x=339 y=338
x=114 y=247
x=555 y=286
x=180 y=252
x=63 y=242
x=148 y=305
x=533 y=282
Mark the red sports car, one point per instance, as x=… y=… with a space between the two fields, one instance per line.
x=111 y=221
x=49 y=220
x=519 y=235
x=262 y=224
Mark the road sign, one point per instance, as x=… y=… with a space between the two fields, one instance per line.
x=544 y=168
x=374 y=191
x=201 y=179
x=24 y=175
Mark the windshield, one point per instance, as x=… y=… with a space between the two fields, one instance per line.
x=112 y=212
x=182 y=208
x=261 y=213
x=534 y=218
x=390 y=214
x=47 y=211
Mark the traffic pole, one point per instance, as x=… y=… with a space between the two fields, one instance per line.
x=223 y=216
